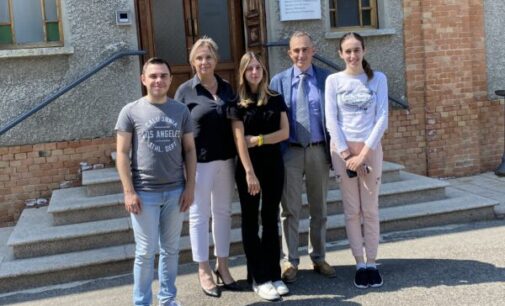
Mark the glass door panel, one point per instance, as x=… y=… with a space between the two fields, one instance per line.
x=213 y=21
x=169 y=31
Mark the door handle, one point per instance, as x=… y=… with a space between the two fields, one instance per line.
x=189 y=24
x=195 y=27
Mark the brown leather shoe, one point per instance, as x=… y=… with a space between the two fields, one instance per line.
x=325 y=269
x=288 y=272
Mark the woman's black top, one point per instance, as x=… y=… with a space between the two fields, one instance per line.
x=258 y=120
x=212 y=128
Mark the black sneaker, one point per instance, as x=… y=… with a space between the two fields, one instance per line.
x=374 y=277
x=361 y=279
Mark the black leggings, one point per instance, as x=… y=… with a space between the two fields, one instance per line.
x=262 y=253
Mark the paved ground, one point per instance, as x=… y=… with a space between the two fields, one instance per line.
x=453 y=264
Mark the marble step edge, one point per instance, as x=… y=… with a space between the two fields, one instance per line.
x=45 y=231
x=110 y=254
x=34 y=226
x=110 y=175
x=75 y=198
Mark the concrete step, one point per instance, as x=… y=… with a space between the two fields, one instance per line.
x=106 y=181
x=113 y=260
x=410 y=189
x=56 y=269
x=73 y=206
x=390 y=173
x=456 y=208
x=101 y=182
x=34 y=234
x=102 y=221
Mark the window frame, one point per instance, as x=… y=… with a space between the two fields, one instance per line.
x=44 y=25
x=374 y=17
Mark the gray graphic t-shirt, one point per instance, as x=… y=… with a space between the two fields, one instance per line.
x=157 y=129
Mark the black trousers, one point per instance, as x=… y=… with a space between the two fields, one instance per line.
x=262 y=253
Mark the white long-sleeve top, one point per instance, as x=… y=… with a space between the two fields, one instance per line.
x=356 y=108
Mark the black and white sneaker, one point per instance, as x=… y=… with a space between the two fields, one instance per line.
x=361 y=279
x=374 y=277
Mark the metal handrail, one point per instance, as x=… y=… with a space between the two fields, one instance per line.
x=329 y=63
x=500 y=171
x=68 y=87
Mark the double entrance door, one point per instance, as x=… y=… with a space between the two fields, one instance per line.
x=169 y=28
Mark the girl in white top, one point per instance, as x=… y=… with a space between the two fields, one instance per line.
x=356 y=118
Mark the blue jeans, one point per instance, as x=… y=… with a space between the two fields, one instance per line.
x=158 y=223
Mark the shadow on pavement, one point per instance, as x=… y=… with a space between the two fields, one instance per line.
x=313 y=289
x=309 y=302
x=398 y=274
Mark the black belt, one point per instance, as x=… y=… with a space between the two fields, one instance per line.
x=312 y=144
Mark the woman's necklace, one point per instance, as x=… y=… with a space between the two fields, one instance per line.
x=210 y=87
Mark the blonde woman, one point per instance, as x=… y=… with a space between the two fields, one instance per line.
x=207 y=97
x=260 y=123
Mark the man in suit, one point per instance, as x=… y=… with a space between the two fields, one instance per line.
x=306 y=154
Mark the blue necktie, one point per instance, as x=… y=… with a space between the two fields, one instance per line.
x=302 y=112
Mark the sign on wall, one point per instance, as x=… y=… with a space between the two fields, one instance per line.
x=300 y=9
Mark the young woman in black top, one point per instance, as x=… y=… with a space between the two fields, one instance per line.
x=259 y=123
x=207 y=97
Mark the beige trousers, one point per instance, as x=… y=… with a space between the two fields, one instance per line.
x=360 y=197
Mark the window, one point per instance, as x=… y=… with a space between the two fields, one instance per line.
x=30 y=23
x=353 y=13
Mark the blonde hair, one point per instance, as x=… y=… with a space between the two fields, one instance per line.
x=205 y=41
x=244 y=90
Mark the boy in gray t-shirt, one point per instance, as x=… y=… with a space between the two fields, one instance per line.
x=157 y=163
x=158 y=181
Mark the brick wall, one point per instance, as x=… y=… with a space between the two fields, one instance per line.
x=33 y=171
x=452 y=129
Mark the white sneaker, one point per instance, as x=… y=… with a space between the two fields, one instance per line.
x=266 y=291
x=280 y=287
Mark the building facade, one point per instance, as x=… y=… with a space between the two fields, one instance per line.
x=445 y=58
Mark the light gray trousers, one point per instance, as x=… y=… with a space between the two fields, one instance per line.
x=312 y=163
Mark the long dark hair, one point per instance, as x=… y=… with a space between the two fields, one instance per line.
x=366 y=65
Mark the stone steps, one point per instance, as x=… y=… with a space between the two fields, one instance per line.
x=34 y=234
x=85 y=232
x=102 y=221
x=111 y=260
x=73 y=205
x=73 y=266
x=106 y=181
